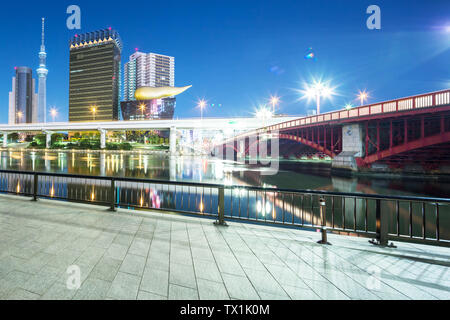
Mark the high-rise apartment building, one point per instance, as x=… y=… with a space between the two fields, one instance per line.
x=22 y=98
x=95 y=76
x=147 y=70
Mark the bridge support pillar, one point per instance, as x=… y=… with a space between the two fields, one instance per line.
x=102 y=163
x=5 y=139
x=173 y=141
x=102 y=138
x=173 y=168
x=48 y=139
x=352 y=147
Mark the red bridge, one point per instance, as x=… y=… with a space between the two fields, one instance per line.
x=408 y=131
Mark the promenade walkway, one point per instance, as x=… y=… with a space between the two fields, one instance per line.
x=132 y=254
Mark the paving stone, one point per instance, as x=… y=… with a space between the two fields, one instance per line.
x=139 y=247
x=207 y=270
x=117 y=251
x=183 y=275
x=296 y=293
x=20 y=294
x=106 y=269
x=92 y=289
x=263 y=281
x=39 y=283
x=143 y=295
x=58 y=291
x=155 y=281
x=211 y=290
x=239 y=287
x=125 y=286
x=182 y=293
x=133 y=264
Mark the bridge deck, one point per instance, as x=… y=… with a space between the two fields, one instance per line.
x=150 y=255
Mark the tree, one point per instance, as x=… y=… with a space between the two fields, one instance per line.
x=57 y=137
x=13 y=137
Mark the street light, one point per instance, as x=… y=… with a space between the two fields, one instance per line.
x=362 y=96
x=263 y=113
x=201 y=104
x=53 y=113
x=348 y=106
x=93 y=110
x=316 y=91
x=142 y=107
x=274 y=100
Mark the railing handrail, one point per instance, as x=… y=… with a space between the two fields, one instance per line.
x=250 y=188
x=381 y=103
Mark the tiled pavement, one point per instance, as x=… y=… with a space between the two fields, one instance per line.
x=151 y=255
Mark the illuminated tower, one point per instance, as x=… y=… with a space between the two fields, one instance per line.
x=42 y=76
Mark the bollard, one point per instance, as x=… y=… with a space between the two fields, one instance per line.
x=382 y=228
x=323 y=228
x=112 y=193
x=221 y=209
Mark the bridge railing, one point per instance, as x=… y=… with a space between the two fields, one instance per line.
x=400 y=218
x=428 y=100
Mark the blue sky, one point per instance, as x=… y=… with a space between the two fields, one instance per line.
x=238 y=53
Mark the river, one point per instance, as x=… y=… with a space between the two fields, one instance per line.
x=207 y=170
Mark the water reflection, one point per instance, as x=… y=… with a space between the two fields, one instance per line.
x=207 y=170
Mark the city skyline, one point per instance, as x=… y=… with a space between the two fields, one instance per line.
x=216 y=60
x=303 y=153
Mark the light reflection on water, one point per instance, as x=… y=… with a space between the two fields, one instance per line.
x=207 y=170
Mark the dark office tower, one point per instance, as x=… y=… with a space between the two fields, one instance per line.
x=22 y=98
x=95 y=76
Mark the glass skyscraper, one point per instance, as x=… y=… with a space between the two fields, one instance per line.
x=22 y=98
x=95 y=76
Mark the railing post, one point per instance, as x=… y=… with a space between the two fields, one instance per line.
x=221 y=208
x=382 y=225
x=112 y=193
x=323 y=229
x=35 y=186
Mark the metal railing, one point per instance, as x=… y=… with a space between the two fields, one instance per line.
x=427 y=100
x=400 y=218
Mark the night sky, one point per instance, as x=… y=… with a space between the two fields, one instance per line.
x=238 y=53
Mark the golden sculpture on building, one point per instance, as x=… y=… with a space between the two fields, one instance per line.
x=150 y=93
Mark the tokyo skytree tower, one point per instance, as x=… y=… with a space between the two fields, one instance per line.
x=42 y=75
